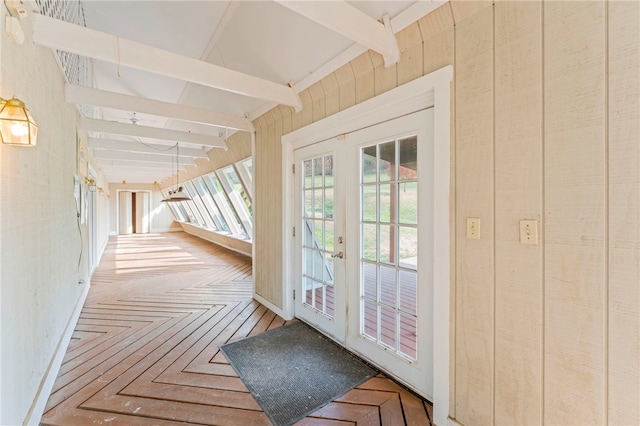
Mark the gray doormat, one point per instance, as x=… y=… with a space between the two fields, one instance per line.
x=294 y=370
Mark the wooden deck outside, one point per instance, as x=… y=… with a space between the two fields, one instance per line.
x=145 y=349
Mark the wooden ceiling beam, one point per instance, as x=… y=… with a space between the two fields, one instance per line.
x=144 y=158
x=136 y=164
x=102 y=98
x=134 y=146
x=117 y=128
x=57 y=34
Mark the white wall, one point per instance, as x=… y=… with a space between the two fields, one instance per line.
x=40 y=242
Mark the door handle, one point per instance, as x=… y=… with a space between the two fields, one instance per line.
x=339 y=255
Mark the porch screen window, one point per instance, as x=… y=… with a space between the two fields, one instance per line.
x=220 y=201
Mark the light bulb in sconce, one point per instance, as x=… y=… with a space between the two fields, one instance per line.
x=19 y=130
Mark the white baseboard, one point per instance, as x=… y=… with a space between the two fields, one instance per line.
x=272 y=307
x=40 y=401
x=215 y=241
x=101 y=251
x=452 y=422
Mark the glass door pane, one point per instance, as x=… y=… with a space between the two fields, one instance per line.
x=389 y=245
x=319 y=239
x=318 y=229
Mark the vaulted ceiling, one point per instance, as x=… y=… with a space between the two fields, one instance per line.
x=194 y=72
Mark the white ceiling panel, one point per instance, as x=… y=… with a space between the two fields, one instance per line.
x=270 y=41
x=258 y=38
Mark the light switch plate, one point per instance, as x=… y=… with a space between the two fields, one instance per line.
x=529 y=232
x=473 y=228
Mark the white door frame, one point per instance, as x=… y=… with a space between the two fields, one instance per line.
x=434 y=90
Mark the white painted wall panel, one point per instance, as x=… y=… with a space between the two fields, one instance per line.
x=40 y=242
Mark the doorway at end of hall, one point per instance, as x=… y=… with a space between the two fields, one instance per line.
x=133 y=212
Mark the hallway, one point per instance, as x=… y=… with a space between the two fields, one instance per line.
x=145 y=349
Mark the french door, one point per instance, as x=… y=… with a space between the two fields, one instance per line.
x=320 y=297
x=364 y=237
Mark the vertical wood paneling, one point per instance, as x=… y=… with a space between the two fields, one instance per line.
x=277 y=293
x=624 y=213
x=530 y=335
x=331 y=94
x=518 y=176
x=385 y=78
x=438 y=49
x=271 y=208
x=268 y=206
x=286 y=111
x=317 y=101
x=362 y=67
x=347 y=83
x=474 y=198
x=307 y=108
x=437 y=33
x=410 y=45
x=296 y=120
x=276 y=115
x=464 y=9
x=574 y=154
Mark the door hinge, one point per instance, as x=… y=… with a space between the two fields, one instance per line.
x=294 y=295
x=294 y=231
x=293 y=168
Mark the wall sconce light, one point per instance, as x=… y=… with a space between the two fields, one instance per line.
x=17 y=126
x=101 y=191
x=91 y=184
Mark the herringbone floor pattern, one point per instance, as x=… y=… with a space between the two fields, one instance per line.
x=145 y=349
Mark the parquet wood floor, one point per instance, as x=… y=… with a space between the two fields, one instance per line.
x=145 y=349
